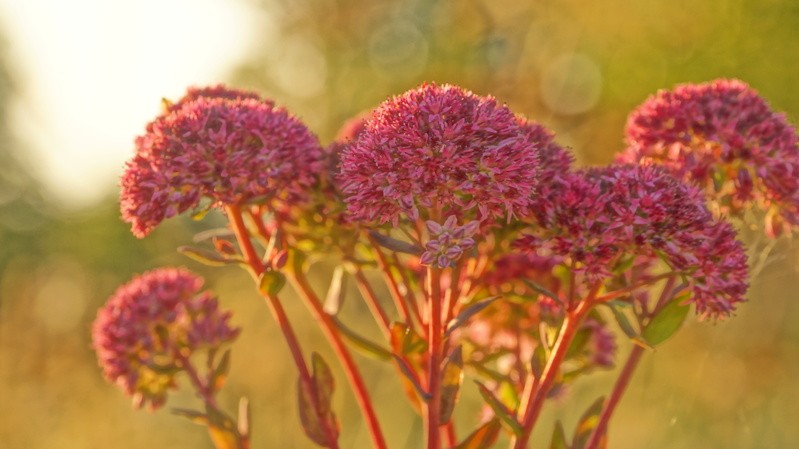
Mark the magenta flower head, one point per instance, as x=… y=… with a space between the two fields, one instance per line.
x=150 y=327
x=598 y=220
x=437 y=151
x=220 y=146
x=725 y=138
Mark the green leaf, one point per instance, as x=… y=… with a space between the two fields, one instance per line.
x=316 y=415
x=502 y=412
x=469 y=312
x=335 y=293
x=558 y=438
x=545 y=291
x=666 y=322
x=623 y=322
x=587 y=423
x=395 y=245
x=365 y=345
x=221 y=371
x=451 y=380
x=484 y=437
x=404 y=340
x=539 y=361
x=208 y=257
x=193 y=416
x=410 y=377
x=271 y=282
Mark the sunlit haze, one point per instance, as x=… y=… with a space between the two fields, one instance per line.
x=89 y=74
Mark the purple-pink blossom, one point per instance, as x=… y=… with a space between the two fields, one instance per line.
x=219 y=145
x=598 y=219
x=149 y=328
x=725 y=138
x=437 y=151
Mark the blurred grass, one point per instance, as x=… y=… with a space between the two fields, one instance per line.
x=577 y=67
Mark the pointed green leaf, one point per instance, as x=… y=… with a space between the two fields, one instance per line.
x=410 y=377
x=587 y=424
x=544 y=291
x=365 y=345
x=451 y=380
x=482 y=438
x=211 y=233
x=191 y=415
x=208 y=257
x=623 y=322
x=335 y=293
x=325 y=384
x=558 y=438
x=502 y=412
x=314 y=424
x=221 y=371
x=469 y=312
x=539 y=361
x=271 y=282
x=395 y=245
x=666 y=322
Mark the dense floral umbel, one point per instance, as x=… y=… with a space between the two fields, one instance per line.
x=725 y=138
x=439 y=148
x=598 y=219
x=151 y=326
x=221 y=145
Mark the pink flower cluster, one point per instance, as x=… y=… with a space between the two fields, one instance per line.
x=599 y=218
x=150 y=327
x=218 y=144
x=448 y=242
x=439 y=148
x=725 y=138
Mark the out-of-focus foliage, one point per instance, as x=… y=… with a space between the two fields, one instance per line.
x=577 y=66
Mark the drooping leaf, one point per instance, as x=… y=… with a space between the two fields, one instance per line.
x=623 y=321
x=271 y=282
x=539 y=361
x=395 y=245
x=193 y=416
x=587 y=424
x=211 y=233
x=500 y=410
x=666 y=322
x=335 y=293
x=469 y=312
x=405 y=340
x=325 y=384
x=365 y=345
x=316 y=413
x=208 y=257
x=451 y=380
x=558 y=438
x=221 y=371
x=483 y=438
x=410 y=377
x=545 y=291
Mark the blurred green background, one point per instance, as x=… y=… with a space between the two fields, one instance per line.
x=579 y=67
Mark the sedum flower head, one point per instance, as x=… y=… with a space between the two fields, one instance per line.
x=439 y=148
x=725 y=138
x=149 y=328
x=598 y=219
x=219 y=145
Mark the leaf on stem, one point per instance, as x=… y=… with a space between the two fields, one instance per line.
x=538 y=361
x=559 y=437
x=667 y=321
x=500 y=410
x=193 y=416
x=587 y=424
x=545 y=291
x=627 y=327
x=404 y=340
x=452 y=378
x=367 y=346
x=271 y=282
x=469 y=312
x=221 y=371
x=208 y=257
x=316 y=414
x=335 y=293
x=410 y=377
x=483 y=438
x=395 y=245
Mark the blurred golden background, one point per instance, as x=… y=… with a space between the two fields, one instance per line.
x=579 y=67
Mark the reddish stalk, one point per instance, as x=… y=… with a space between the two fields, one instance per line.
x=536 y=390
x=350 y=368
x=276 y=308
x=613 y=400
x=431 y=411
x=409 y=296
x=372 y=302
x=399 y=299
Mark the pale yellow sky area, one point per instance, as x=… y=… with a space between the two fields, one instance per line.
x=91 y=73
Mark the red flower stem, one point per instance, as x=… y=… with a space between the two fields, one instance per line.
x=536 y=391
x=451 y=435
x=431 y=410
x=204 y=389
x=276 y=308
x=372 y=302
x=612 y=402
x=410 y=297
x=399 y=299
x=354 y=377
